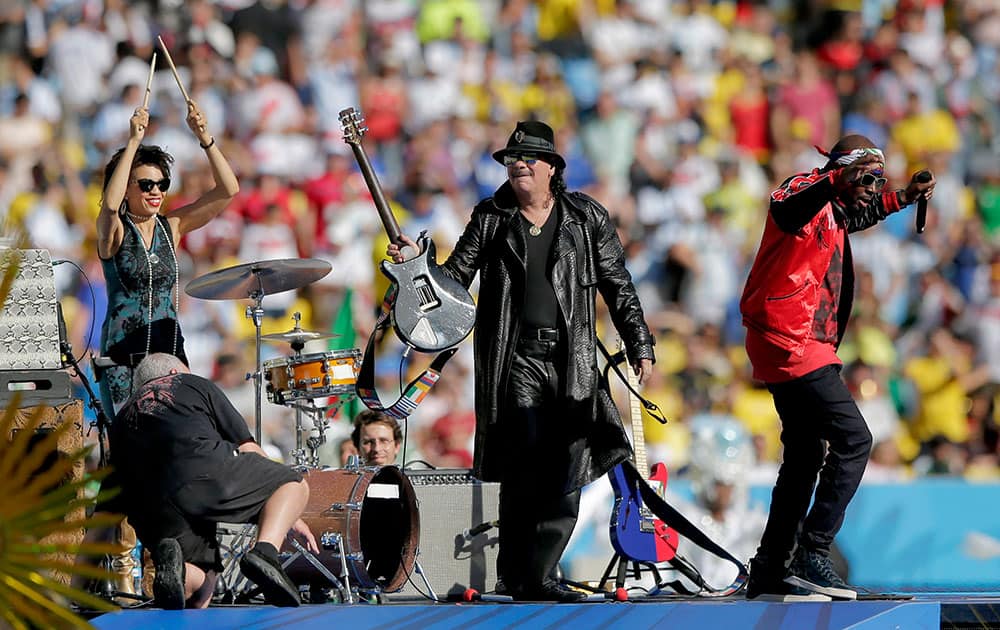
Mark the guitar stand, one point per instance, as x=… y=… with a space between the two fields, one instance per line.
x=677 y=563
x=622 y=564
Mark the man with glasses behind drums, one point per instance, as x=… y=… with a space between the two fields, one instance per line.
x=186 y=462
x=795 y=307
x=377 y=438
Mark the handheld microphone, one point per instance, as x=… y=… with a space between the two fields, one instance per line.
x=923 y=177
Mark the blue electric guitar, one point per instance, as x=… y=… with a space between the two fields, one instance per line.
x=431 y=311
x=636 y=533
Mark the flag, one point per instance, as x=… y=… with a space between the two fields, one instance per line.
x=343 y=327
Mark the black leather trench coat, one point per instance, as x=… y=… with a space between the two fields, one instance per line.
x=587 y=257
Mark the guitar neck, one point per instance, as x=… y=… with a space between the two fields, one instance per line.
x=635 y=414
x=384 y=212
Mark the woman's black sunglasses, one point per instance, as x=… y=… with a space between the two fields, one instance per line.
x=146 y=185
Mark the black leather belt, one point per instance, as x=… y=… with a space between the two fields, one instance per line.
x=540 y=334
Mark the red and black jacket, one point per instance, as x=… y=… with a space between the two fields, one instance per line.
x=798 y=284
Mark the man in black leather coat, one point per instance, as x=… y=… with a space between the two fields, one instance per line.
x=545 y=422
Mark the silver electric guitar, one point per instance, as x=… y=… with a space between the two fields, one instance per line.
x=432 y=311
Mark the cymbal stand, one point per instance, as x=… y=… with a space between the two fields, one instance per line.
x=256 y=313
x=299 y=454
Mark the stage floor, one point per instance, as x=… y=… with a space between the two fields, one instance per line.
x=927 y=611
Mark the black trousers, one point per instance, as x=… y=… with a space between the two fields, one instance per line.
x=537 y=517
x=824 y=435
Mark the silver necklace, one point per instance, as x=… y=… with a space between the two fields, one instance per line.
x=137 y=219
x=536 y=230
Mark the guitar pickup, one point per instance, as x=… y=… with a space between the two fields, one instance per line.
x=428 y=300
x=646 y=519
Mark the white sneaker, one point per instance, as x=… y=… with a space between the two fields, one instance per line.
x=786 y=593
x=827 y=591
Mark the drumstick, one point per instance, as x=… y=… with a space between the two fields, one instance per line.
x=177 y=77
x=149 y=81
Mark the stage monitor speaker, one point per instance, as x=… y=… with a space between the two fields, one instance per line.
x=452 y=502
x=53 y=416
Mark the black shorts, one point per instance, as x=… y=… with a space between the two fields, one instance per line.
x=236 y=493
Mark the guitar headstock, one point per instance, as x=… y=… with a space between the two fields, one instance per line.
x=352 y=124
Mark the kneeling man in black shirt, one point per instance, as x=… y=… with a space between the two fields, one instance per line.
x=186 y=461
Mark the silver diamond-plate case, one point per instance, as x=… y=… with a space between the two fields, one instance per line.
x=29 y=326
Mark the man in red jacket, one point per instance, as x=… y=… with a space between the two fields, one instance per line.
x=795 y=307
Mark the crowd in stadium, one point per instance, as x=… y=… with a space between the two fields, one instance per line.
x=680 y=116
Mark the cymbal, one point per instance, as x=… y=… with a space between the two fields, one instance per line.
x=297 y=335
x=265 y=276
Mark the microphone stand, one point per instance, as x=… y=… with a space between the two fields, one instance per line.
x=95 y=402
x=68 y=360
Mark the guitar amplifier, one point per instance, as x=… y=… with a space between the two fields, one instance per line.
x=452 y=502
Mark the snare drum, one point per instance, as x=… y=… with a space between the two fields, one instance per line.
x=313 y=375
x=374 y=511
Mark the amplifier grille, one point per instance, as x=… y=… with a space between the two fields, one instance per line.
x=452 y=501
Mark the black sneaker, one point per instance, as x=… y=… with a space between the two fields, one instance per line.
x=814 y=572
x=168 y=585
x=261 y=566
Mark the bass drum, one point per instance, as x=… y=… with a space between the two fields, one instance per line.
x=374 y=510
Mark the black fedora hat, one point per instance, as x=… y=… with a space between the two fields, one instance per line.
x=532 y=136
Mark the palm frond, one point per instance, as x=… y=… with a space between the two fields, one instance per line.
x=42 y=518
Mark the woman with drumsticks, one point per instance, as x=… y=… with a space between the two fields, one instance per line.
x=137 y=244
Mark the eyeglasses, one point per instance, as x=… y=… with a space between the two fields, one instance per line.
x=513 y=158
x=871 y=179
x=146 y=185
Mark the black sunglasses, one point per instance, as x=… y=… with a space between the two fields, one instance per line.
x=871 y=179
x=146 y=185
x=513 y=158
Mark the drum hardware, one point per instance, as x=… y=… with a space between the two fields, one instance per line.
x=346 y=506
x=234 y=543
x=302 y=378
x=419 y=570
x=255 y=280
x=334 y=540
x=320 y=424
x=237 y=539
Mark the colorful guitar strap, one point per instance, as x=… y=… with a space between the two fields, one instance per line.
x=415 y=391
